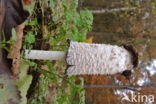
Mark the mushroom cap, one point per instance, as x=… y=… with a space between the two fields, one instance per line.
x=85 y=58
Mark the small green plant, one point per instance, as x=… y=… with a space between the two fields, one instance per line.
x=4 y=43
x=52 y=23
x=30 y=37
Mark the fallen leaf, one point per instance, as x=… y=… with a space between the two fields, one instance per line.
x=11 y=15
x=15 y=49
x=90 y=39
x=27 y=2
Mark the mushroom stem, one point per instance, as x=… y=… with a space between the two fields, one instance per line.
x=45 y=55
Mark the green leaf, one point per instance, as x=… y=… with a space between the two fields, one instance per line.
x=86 y=19
x=14 y=36
x=55 y=18
x=52 y=3
x=30 y=38
x=33 y=22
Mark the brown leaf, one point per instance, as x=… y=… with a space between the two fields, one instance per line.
x=15 y=49
x=27 y=2
x=11 y=15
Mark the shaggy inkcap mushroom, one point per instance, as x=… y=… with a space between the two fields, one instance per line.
x=91 y=59
x=85 y=58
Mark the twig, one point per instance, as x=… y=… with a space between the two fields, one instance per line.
x=112 y=86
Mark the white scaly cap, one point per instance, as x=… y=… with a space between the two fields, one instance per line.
x=85 y=58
